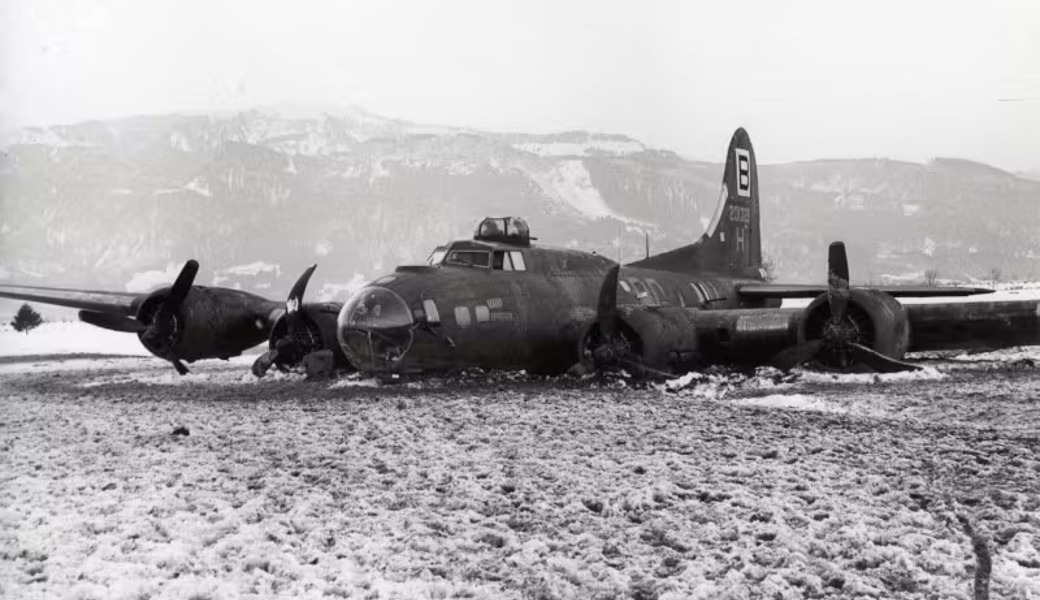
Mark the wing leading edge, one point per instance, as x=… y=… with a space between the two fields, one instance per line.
x=768 y=290
x=123 y=303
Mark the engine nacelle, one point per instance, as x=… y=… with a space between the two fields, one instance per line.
x=879 y=320
x=663 y=336
x=210 y=323
x=318 y=334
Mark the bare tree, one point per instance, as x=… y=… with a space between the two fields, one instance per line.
x=995 y=275
x=930 y=277
x=768 y=269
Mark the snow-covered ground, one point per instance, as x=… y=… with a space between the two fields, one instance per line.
x=68 y=337
x=766 y=485
x=716 y=485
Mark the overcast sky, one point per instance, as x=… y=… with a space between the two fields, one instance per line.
x=809 y=79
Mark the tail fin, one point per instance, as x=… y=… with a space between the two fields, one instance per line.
x=732 y=245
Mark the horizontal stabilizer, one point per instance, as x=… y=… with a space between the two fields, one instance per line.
x=765 y=290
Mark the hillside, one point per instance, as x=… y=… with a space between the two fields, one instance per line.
x=256 y=196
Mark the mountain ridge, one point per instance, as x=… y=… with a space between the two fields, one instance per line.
x=100 y=203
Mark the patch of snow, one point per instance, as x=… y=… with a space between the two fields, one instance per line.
x=378 y=172
x=68 y=337
x=43 y=136
x=924 y=374
x=791 y=401
x=1005 y=355
x=330 y=292
x=179 y=141
x=147 y=281
x=570 y=183
x=593 y=146
x=248 y=270
x=353 y=381
x=419 y=129
x=199 y=186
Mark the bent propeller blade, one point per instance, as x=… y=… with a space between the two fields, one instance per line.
x=606 y=308
x=295 y=300
x=879 y=362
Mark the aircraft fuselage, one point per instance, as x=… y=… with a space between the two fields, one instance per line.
x=449 y=316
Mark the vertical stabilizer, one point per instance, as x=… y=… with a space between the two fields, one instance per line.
x=732 y=244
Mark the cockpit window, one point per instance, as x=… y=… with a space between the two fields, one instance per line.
x=469 y=258
x=437 y=256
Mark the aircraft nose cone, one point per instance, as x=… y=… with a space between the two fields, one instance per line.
x=375 y=329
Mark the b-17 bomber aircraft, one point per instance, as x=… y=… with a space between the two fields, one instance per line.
x=498 y=301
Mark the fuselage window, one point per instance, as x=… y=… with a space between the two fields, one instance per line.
x=469 y=258
x=700 y=295
x=656 y=290
x=483 y=314
x=432 y=315
x=502 y=261
x=641 y=292
x=462 y=316
x=518 y=260
x=624 y=285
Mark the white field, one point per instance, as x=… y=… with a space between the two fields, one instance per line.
x=726 y=486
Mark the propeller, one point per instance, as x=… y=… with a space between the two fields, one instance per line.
x=285 y=349
x=613 y=349
x=840 y=335
x=293 y=320
x=837 y=280
x=159 y=332
x=606 y=306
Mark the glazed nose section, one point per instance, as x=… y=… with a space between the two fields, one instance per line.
x=375 y=329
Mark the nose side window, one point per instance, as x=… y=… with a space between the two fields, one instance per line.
x=432 y=314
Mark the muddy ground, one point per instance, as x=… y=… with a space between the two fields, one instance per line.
x=507 y=487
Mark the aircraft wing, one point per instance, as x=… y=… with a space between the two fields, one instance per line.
x=795 y=290
x=123 y=303
x=973 y=325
